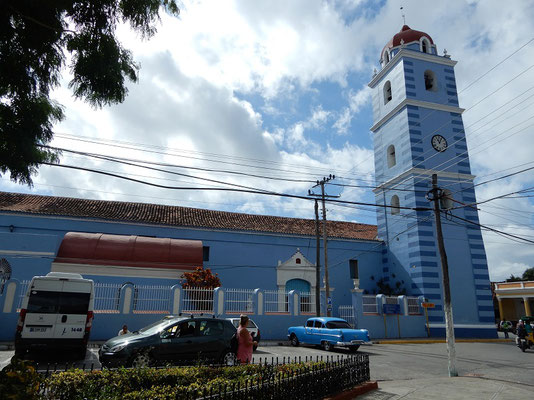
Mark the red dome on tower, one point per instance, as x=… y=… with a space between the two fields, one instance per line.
x=408 y=35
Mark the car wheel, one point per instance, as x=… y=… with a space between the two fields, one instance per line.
x=229 y=359
x=294 y=340
x=327 y=346
x=354 y=349
x=141 y=360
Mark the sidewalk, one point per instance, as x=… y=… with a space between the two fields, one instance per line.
x=460 y=388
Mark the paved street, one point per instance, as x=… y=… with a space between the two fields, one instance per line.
x=396 y=362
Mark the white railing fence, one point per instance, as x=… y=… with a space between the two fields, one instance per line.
x=307 y=303
x=198 y=300
x=369 y=305
x=347 y=313
x=392 y=300
x=413 y=306
x=151 y=299
x=276 y=301
x=107 y=297
x=239 y=300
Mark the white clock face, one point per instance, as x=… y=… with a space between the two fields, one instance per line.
x=439 y=143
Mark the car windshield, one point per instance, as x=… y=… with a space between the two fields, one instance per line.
x=157 y=326
x=338 y=325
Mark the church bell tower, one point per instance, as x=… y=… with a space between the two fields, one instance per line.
x=418 y=131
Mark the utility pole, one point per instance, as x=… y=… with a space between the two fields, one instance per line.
x=317 y=262
x=325 y=235
x=436 y=194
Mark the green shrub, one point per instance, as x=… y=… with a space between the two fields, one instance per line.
x=158 y=384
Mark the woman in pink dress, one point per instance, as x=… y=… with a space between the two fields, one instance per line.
x=244 y=341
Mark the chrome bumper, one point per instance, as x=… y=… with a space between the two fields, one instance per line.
x=353 y=343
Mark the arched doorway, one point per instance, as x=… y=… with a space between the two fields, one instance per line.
x=298 y=284
x=302 y=286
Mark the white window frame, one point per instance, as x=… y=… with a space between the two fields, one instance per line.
x=387 y=98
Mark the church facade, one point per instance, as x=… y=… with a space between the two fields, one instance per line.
x=418 y=131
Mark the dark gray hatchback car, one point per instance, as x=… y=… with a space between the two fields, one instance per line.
x=172 y=340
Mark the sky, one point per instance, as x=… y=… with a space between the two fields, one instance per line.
x=272 y=96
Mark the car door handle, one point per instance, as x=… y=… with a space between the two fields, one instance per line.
x=64 y=318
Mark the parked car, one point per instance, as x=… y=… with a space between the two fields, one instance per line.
x=56 y=314
x=329 y=333
x=172 y=340
x=252 y=328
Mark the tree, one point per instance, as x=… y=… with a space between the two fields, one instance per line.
x=201 y=278
x=514 y=278
x=35 y=38
x=200 y=300
x=528 y=275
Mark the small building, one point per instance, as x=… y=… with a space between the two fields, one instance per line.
x=515 y=299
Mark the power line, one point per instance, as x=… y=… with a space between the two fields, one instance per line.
x=269 y=193
x=495 y=66
x=491 y=229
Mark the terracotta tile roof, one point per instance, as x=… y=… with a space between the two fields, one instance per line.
x=176 y=216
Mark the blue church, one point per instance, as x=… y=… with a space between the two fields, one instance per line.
x=266 y=264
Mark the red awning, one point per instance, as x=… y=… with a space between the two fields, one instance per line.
x=129 y=251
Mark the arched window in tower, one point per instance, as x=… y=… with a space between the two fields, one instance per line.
x=392 y=160
x=395 y=205
x=387 y=92
x=430 y=81
x=386 y=57
x=425 y=45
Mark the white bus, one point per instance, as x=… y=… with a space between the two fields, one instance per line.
x=56 y=314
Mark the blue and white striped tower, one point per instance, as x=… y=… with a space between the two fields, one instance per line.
x=418 y=131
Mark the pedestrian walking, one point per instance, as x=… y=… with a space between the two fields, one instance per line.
x=245 y=343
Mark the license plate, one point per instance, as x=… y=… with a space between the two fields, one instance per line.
x=39 y=329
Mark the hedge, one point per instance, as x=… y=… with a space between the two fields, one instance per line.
x=21 y=381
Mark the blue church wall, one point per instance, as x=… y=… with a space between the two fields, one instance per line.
x=393 y=132
x=425 y=123
x=242 y=260
x=396 y=78
x=412 y=250
x=444 y=78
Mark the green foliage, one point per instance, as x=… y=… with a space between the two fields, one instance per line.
x=19 y=381
x=35 y=37
x=159 y=384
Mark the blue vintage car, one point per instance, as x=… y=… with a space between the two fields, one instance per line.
x=328 y=332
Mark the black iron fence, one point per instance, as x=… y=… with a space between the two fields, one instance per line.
x=315 y=382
